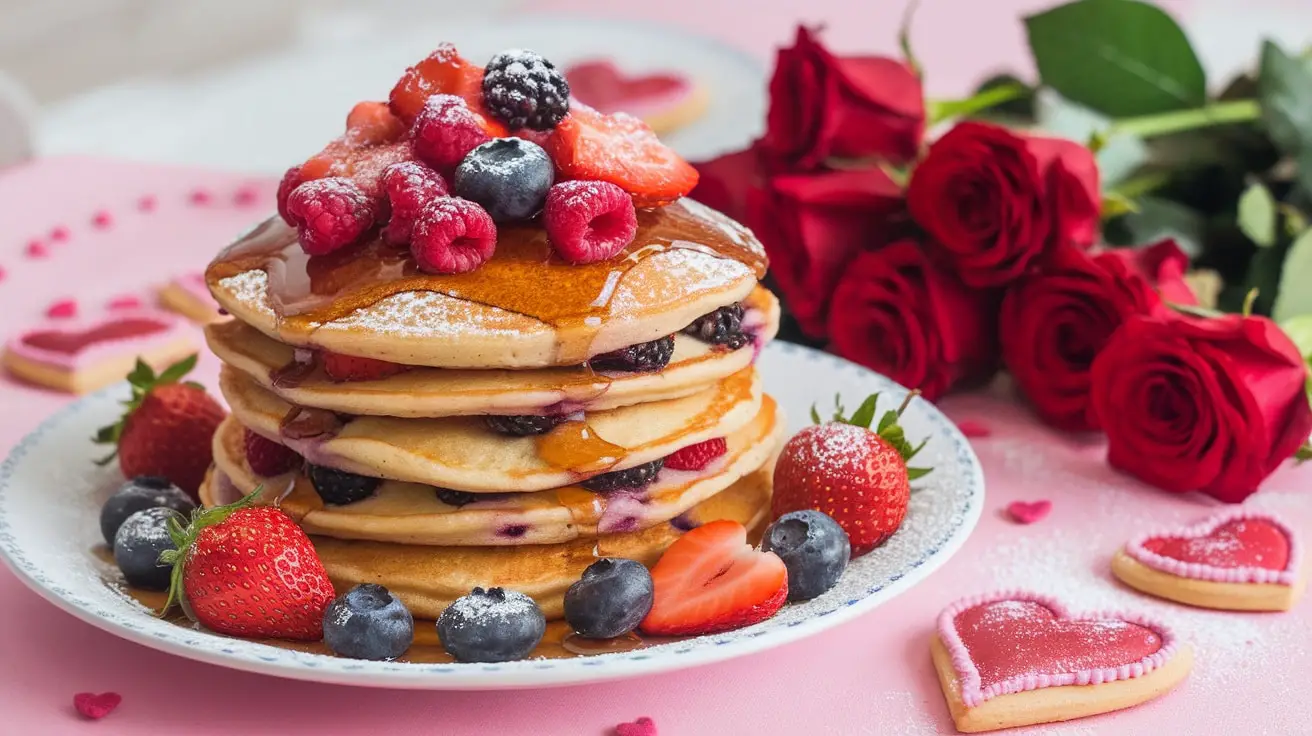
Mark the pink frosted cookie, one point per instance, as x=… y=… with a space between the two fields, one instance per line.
x=190 y=297
x=83 y=356
x=1237 y=560
x=664 y=100
x=1016 y=659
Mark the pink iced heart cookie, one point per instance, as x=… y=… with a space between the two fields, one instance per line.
x=1028 y=512
x=1236 y=560
x=1016 y=659
x=190 y=297
x=82 y=356
x=664 y=100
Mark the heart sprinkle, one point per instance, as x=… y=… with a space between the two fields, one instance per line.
x=200 y=197
x=147 y=203
x=972 y=428
x=36 y=249
x=62 y=309
x=60 y=234
x=102 y=219
x=644 y=726
x=125 y=301
x=1028 y=512
x=246 y=196
x=94 y=706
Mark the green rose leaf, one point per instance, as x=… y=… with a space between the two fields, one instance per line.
x=1299 y=330
x=1155 y=219
x=1257 y=215
x=1120 y=154
x=1120 y=57
x=1295 y=298
x=1284 y=88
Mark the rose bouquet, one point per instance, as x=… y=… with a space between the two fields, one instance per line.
x=1061 y=231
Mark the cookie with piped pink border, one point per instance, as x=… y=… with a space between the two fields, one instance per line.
x=190 y=297
x=1016 y=658
x=1238 y=560
x=81 y=356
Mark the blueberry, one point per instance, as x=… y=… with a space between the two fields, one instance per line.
x=611 y=599
x=456 y=498
x=138 y=544
x=141 y=493
x=814 y=548
x=338 y=487
x=367 y=622
x=524 y=425
x=493 y=625
x=634 y=477
x=509 y=177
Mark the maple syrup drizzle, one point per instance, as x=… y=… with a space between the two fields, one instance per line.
x=575 y=446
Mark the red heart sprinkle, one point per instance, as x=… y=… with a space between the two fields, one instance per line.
x=62 y=309
x=126 y=301
x=246 y=196
x=974 y=428
x=1028 y=512
x=102 y=219
x=2 y=273
x=642 y=727
x=36 y=249
x=94 y=706
x=147 y=203
x=60 y=234
x=200 y=196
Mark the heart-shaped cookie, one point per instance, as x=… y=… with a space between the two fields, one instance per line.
x=83 y=356
x=1237 y=560
x=1016 y=659
x=664 y=100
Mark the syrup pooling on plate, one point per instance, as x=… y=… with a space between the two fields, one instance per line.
x=524 y=276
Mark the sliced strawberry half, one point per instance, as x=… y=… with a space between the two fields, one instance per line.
x=711 y=580
x=443 y=72
x=372 y=123
x=622 y=150
x=344 y=368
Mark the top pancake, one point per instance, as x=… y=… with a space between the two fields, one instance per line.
x=525 y=308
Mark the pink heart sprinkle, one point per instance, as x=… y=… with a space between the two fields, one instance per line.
x=60 y=234
x=36 y=249
x=94 y=706
x=642 y=727
x=102 y=219
x=246 y=196
x=126 y=301
x=3 y=273
x=1028 y=512
x=973 y=428
x=200 y=196
x=62 y=309
x=147 y=203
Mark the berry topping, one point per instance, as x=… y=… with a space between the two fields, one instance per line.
x=456 y=498
x=338 y=487
x=446 y=131
x=493 y=625
x=346 y=368
x=139 y=542
x=525 y=90
x=523 y=425
x=141 y=493
x=249 y=571
x=443 y=72
x=589 y=221
x=330 y=213
x=452 y=236
x=372 y=123
x=290 y=180
x=813 y=547
x=368 y=622
x=268 y=458
x=724 y=326
x=622 y=150
x=611 y=599
x=698 y=456
x=856 y=475
x=646 y=356
x=634 y=477
x=509 y=177
x=409 y=186
x=711 y=580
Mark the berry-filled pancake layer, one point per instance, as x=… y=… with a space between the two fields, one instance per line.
x=707 y=351
x=350 y=507
x=525 y=307
x=427 y=579
x=496 y=454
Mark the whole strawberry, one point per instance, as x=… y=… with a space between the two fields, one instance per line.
x=167 y=428
x=249 y=571
x=857 y=475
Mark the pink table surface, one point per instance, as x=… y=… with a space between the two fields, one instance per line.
x=870 y=676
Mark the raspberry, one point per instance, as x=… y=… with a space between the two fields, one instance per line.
x=646 y=356
x=290 y=181
x=698 y=456
x=724 y=326
x=525 y=90
x=452 y=236
x=445 y=131
x=523 y=425
x=589 y=221
x=371 y=123
x=338 y=487
x=409 y=186
x=330 y=213
x=631 y=478
x=268 y=458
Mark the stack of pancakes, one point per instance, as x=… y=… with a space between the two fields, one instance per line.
x=469 y=495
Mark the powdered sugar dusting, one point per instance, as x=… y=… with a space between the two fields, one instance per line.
x=481 y=607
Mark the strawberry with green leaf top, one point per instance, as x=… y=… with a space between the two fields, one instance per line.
x=167 y=428
x=855 y=474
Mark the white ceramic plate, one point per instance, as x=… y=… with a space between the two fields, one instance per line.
x=50 y=496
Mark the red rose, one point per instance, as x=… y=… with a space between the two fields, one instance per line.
x=1163 y=264
x=822 y=105
x=998 y=203
x=812 y=225
x=898 y=313
x=1056 y=320
x=1196 y=403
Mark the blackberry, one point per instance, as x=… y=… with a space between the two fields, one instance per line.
x=455 y=498
x=724 y=326
x=524 y=90
x=523 y=425
x=620 y=479
x=338 y=487
x=647 y=356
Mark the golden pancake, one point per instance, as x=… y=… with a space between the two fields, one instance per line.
x=439 y=392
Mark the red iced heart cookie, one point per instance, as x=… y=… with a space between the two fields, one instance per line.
x=96 y=706
x=664 y=100
x=1028 y=512
x=1239 y=560
x=1014 y=659
x=642 y=727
